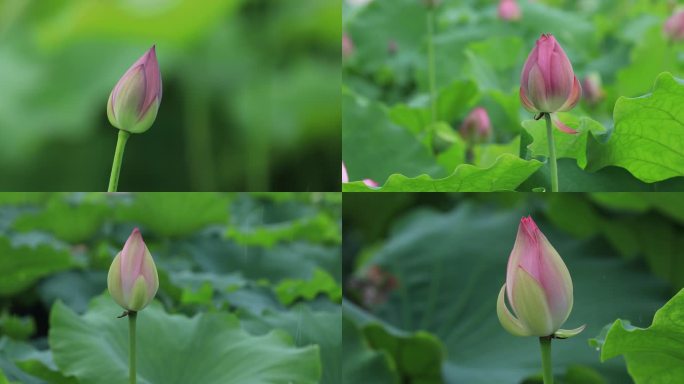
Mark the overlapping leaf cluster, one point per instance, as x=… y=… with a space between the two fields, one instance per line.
x=249 y=287
x=625 y=142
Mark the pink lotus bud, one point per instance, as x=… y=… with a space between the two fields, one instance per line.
x=509 y=10
x=538 y=287
x=392 y=47
x=370 y=183
x=132 y=279
x=674 y=26
x=345 y=175
x=591 y=85
x=347 y=46
x=476 y=128
x=548 y=83
x=135 y=99
x=432 y=3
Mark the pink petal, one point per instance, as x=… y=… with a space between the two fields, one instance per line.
x=562 y=127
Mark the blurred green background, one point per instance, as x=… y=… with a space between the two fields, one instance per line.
x=422 y=271
x=251 y=94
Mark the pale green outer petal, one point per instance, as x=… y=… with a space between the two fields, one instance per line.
x=129 y=99
x=508 y=321
x=110 y=112
x=568 y=333
x=531 y=306
x=114 y=281
x=139 y=299
x=146 y=121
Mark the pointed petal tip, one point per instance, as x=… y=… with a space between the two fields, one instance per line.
x=568 y=333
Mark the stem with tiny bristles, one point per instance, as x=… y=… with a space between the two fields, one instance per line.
x=132 y=317
x=118 y=159
x=552 y=153
x=545 y=343
x=431 y=64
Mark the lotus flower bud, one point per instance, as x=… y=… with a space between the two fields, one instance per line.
x=548 y=83
x=392 y=47
x=591 y=84
x=135 y=99
x=345 y=175
x=347 y=46
x=674 y=26
x=132 y=279
x=431 y=4
x=538 y=287
x=509 y=10
x=370 y=183
x=476 y=128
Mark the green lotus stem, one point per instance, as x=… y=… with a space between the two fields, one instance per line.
x=552 y=153
x=545 y=343
x=431 y=64
x=118 y=158
x=132 y=317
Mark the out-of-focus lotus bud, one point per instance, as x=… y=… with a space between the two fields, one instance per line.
x=674 y=26
x=548 y=83
x=132 y=279
x=345 y=175
x=476 y=128
x=538 y=287
x=509 y=10
x=135 y=99
x=370 y=183
x=347 y=46
x=431 y=4
x=358 y=3
x=591 y=86
x=392 y=47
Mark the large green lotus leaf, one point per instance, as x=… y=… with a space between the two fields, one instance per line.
x=488 y=154
x=572 y=178
x=74 y=288
x=494 y=62
x=22 y=361
x=634 y=79
x=290 y=290
x=178 y=21
x=643 y=230
x=208 y=348
x=320 y=228
x=653 y=354
x=453 y=103
x=648 y=134
x=507 y=173
x=373 y=147
x=307 y=327
x=451 y=289
x=22 y=198
x=572 y=146
x=363 y=364
x=296 y=260
x=70 y=221
x=667 y=203
x=416 y=356
x=381 y=22
x=22 y=266
x=174 y=213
